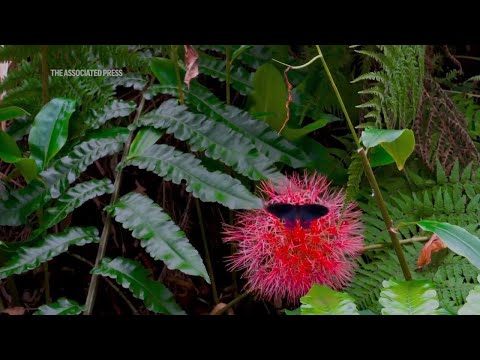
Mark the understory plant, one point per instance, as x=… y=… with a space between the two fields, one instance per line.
x=173 y=165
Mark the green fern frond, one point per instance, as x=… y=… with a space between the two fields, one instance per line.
x=208 y=186
x=217 y=140
x=133 y=276
x=162 y=239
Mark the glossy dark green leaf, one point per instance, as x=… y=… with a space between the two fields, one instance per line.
x=115 y=109
x=132 y=275
x=9 y=151
x=145 y=137
x=378 y=156
x=31 y=256
x=50 y=130
x=217 y=140
x=162 y=239
x=456 y=238
x=414 y=297
x=55 y=180
x=399 y=144
x=176 y=166
x=72 y=199
x=62 y=306
x=11 y=112
x=164 y=71
x=266 y=140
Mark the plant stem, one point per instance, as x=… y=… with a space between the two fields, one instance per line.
x=44 y=75
x=207 y=252
x=174 y=57
x=386 y=216
x=371 y=177
x=228 y=67
x=109 y=282
x=232 y=303
x=92 y=290
x=402 y=242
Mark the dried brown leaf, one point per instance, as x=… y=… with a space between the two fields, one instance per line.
x=433 y=245
x=191 y=62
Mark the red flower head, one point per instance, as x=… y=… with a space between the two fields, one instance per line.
x=283 y=260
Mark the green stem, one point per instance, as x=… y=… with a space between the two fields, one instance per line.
x=402 y=242
x=228 y=67
x=207 y=252
x=92 y=290
x=386 y=216
x=232 y=303
x=44 y=75
x=174 y=57
x=371 y=177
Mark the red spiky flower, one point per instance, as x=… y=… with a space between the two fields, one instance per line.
x=281 y=262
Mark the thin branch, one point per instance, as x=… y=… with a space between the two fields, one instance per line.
x=102 y=248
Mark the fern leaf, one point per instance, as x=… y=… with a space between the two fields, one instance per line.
x=208 y=186
x=321 y=300
x=54 y=180
x=267 y=141
x=113 y=110
x=217 y=140
x=414 y=297
x=472 y=306
x=30 y=257
x=162 y=239
x=241 y=79
x=355 y=172
x=135 y=80
x=133 y=276
x=62 y=306
x=72 y=199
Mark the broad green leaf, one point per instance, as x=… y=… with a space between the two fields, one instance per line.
x=9 y=151
x=398 y=143
x=456 y=238
x=270 y=95
x=267 y=141
x=133 y=276
x=146 y=137
x=217 y=140
x=472 y=305
x=296 y=134
x=50 y=130
x=239 y=51
x=31 y=256
x=55 y=180
x=159 y=235
x=28 y=168
x=321 y=300
x=113 y=110
x=176 y=166
x=164 y=71
x=414 y=297
x=62 y=306
x=11 y=112
x=72 y=199
x=135 y=80
x=378 y=156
